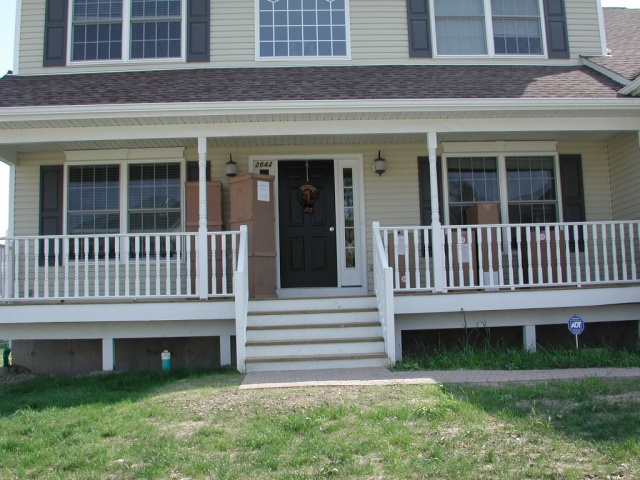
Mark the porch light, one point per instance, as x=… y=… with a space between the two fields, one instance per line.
x=379 y=165
x=232 y=167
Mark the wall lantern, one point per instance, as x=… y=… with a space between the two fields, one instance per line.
x=232 y=167
x=379 y=165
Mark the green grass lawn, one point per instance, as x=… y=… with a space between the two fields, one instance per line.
x=181 y=425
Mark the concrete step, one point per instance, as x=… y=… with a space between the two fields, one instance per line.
x=315 y=362
x=321 y=347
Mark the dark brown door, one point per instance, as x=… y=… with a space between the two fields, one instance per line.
x=307 y=233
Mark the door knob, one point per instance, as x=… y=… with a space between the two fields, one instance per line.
x=332 y=229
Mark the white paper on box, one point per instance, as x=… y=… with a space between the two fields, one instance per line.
x=263 y=192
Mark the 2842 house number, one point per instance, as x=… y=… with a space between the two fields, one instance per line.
x=263 y=164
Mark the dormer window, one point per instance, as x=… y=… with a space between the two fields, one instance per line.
x=302 y=29
x=126 y=29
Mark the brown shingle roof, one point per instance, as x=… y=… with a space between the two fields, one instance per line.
x=307 y=83
x=622 y=27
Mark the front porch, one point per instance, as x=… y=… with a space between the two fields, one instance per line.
x=424 y=278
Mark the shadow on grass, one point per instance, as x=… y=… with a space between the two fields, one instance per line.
x=41 y=393
x=594 y=409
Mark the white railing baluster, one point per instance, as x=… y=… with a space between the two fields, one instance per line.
x=116 y=281
x=158 y=263
x=127 y=266
x=147 y=265
x=179 y=240
x=508 y=233
x=27 y=285
x=96 y=266
x=587 y=261
x=396 y=263
x=137 y=266
x=56 y=268
x=189 y=277
x=167 y=265
x=623 y=251
x=632 y=251
x=416 y=256
x=107 y=276
x=427 y=258
x=520 y=260
x=223 y=254
x=448 y=240
x=214 y=265
x=596 y=252
x=614 y=251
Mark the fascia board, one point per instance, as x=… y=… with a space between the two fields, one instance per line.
x=632 y=89
x=311 y=107
x=616 y=77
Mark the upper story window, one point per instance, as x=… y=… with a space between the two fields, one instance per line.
x=124 y=29
x=487 y=28
x=303 y=28
x=463 y=27
x=97 y=30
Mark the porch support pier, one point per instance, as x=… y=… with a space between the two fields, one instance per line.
x=107 y=355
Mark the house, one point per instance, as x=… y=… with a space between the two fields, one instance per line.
x=291 y=184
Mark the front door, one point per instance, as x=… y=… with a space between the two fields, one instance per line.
x=307 y=224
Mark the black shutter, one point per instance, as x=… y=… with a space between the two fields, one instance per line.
x=419 y=28
x=198 y=30
x=572 y=195
x=572 y=189
x=556 y=25
x=50 y=206
x=193 y=171
x=55 y=33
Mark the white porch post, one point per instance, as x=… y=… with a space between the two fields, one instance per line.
x=9 y=246
x=203 y=254
x=225 y=350
x=436 y=226
x=529 y=337
x=108 y=356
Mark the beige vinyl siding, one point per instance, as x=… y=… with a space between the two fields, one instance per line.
x=27 y=190
x=595 y=174
x=31 y=36
x=379 y=35
x=624 y=157
x=233 y=33
x=583 y=28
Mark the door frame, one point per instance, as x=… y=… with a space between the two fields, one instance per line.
x=346 y=279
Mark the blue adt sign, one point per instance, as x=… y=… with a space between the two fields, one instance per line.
x=576 y=325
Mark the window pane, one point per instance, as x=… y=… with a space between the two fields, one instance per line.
x=299 y=28
x=97 y=30
x=93 y=199
x=471 y=180
x=154 y=197
x=516 y=27
x=531 y=188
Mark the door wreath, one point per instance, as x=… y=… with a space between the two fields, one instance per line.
x=307 y=196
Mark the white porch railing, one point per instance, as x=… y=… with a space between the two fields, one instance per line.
x=383 y=285
x=116 y=266
x=241 y=289
x=514 y=256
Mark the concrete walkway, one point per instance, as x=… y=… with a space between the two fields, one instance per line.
x=383 y=376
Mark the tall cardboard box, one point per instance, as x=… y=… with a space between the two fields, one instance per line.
x=252 y=204
x=487 y=241
x=546 y=260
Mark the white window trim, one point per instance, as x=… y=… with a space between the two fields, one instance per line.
x=488 y=25
x=499 y=150
x=258 y=58
x=123 y=158
x=126 y=40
